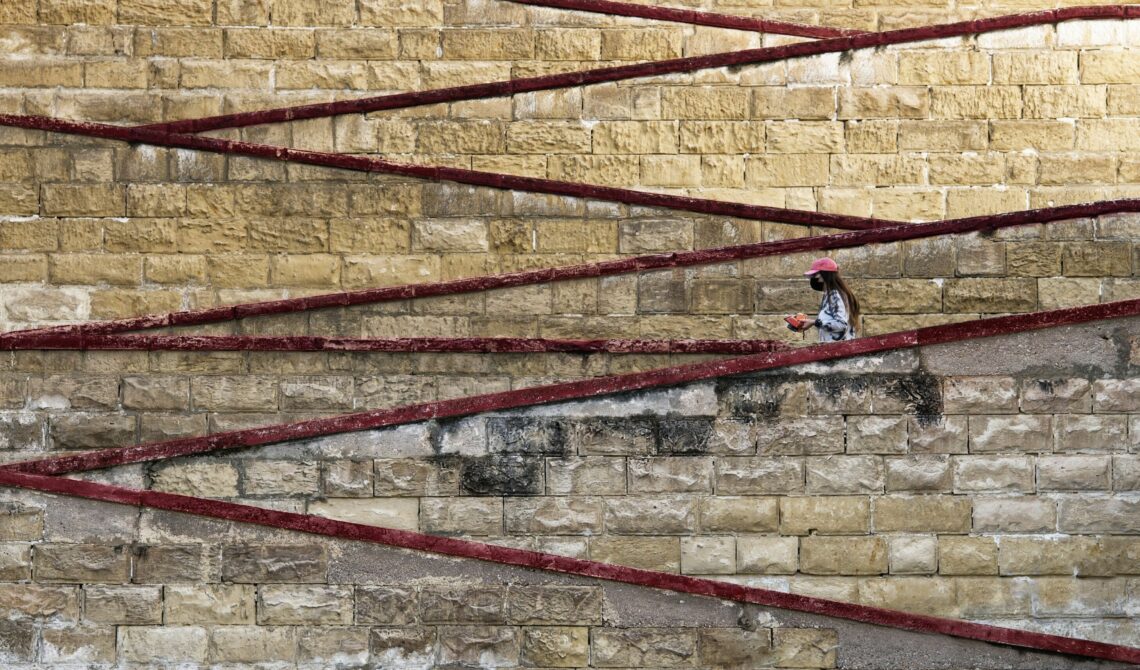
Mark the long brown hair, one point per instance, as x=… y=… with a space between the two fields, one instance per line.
x=833 y=282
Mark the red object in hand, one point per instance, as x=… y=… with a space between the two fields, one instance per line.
x=798 y=323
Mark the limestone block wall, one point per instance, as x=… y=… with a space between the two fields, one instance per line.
x=143 y=589
x=994 y=480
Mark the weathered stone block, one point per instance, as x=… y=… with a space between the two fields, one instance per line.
x=1090 y=433
x=486 y=646
x=824 y=514
x=203 y=479
x=570 y=605
x=967 y=555
x=1073 y=473
x=1017 y=433
x=873 y=434
x=1116 y=515
x=329 y=646
x=759 y=476
x=82 y=563
x=767 y=555
x=253 y=644
x=643 y=647
x=1060 y=395
x=941 y=514
x=318 y=605
x=465 y=605
x=412 y=645
x=805 y=647
x=734 y=647
x=401 y=513
x=844 y=474
x=79 y=644
x=210 y=603
x=555 y=646
x=553 y=516
x=475 y=516
x=919 y=473
x=650 y=553
x=801 y=436
x=1014 y=515
x=843 y=555
x=939 y=434
x=739 y=515
x=993 y=473
x=980 y=395
x=612 y=437
x=586 y=476
x=92 y=431
x=279 y=564
x=123 y=605
x=670 y=475
x=20 y=523
x=154 y=644
x=644 y=515
x=708 y=556
x=1116 y=395
x=913 y=555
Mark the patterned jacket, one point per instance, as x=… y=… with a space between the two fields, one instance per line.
x=832 y=322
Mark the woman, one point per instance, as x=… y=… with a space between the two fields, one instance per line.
x=839 y=309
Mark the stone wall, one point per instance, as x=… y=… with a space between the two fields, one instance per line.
x=994 y=480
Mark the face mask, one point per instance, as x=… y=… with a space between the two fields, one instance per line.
x=816 y=282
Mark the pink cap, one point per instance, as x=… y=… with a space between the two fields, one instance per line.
x=822 y=265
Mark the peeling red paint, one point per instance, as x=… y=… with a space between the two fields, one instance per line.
x=447 y=546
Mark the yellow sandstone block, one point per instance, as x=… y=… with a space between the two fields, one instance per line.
x=976 y=102
x=166 y=12
x=722 y=171
x=872 y=137
x=1016 y=67
x=476 y=137
x=570 y=44
x=323 y=75
x=476 y=44
x=242 y=12
x=363 y=43
x=302 y=13
x=641 y=44
x=962 y=169
x=944 y=67
x=787 y=170
x=120 y=304
x=809 y=102
x=274 y=43
x=84 y=200
x=676 y=171
x=134 y=235
x=90 y=12
x=1108 y=134
x=981 y=201
x=595 y=169
x=1065 y=169
x=811 y=137
x=1040 y=135
x=722 y=137
x=307 y=270
x=1110 y=67
x=704 y=103
x=179 y=42
x=118 y=270
x=175 y=269
x=877 y=169
x=37 y=72
x=238 y=271
x=385 y=13
x=890 y=103
x=1051 y=102
x=548 y=137
x=226 y=74
x=635 y=137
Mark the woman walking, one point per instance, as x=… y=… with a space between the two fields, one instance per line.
x=839 y=308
